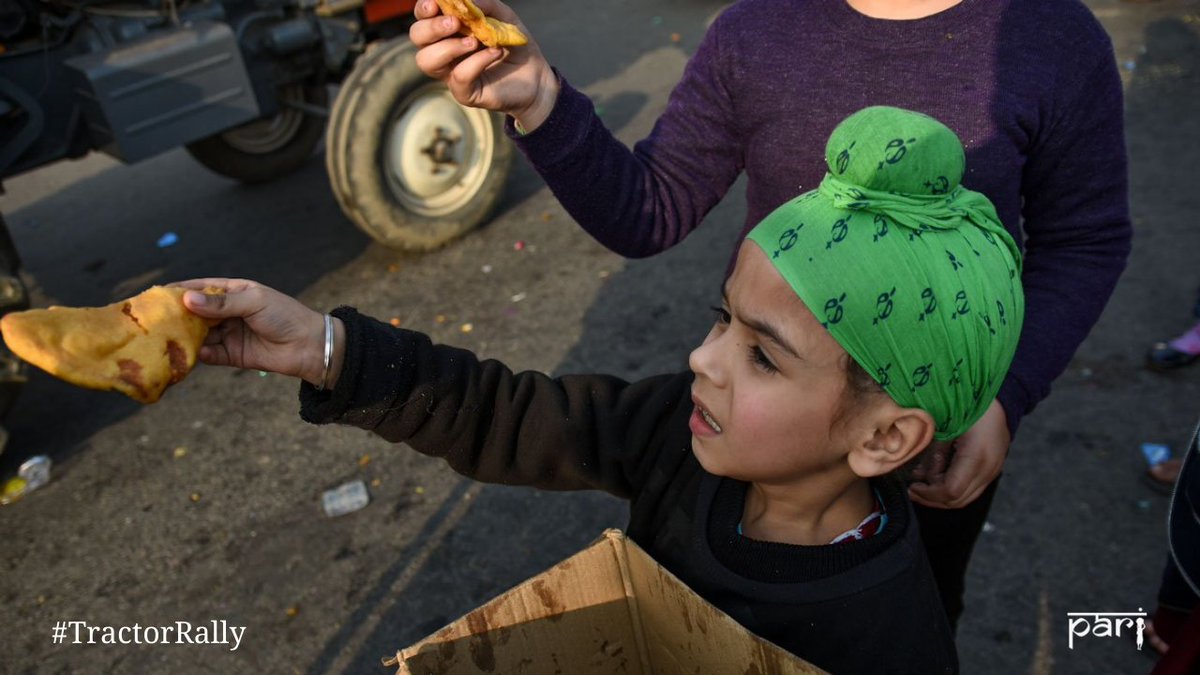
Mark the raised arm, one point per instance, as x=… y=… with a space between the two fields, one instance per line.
x=636 y=202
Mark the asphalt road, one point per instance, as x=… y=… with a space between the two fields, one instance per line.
x=207 y=505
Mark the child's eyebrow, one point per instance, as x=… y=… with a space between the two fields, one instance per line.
x=762 y=327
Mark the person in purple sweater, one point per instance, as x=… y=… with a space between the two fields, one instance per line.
x=1030 y=86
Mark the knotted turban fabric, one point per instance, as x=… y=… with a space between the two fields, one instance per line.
x=910 y=272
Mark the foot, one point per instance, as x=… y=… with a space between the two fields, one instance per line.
x=1161 y=477
x=1163 y=357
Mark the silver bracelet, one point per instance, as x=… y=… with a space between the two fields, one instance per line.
x=328 y=351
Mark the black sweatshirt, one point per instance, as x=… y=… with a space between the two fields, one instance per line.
x=865 y=606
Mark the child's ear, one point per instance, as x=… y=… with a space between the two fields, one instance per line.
x=895 y=436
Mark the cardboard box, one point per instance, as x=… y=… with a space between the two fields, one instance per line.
x=608 y=609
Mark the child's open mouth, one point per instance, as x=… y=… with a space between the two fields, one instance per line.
x=702 y=423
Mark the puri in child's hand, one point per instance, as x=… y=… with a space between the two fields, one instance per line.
x=263 y=329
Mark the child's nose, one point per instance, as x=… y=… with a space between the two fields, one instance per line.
x=704 y=360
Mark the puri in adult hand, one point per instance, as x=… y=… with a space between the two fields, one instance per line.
x=517 y=81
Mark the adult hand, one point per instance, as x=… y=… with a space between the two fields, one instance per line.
x=263 y=329
x=953 y=475
x=516 y=81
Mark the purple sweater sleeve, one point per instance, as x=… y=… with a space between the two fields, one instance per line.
x=1078 y=233
x=641 y=202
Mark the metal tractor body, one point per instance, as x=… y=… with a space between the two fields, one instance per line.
x=243 y=85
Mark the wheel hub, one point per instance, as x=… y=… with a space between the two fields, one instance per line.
x=441 y=150
x=429 y=147
x=265 y=136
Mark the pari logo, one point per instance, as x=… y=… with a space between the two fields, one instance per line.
x=1104 y=624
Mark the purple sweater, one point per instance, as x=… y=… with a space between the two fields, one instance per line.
x=1030 y=86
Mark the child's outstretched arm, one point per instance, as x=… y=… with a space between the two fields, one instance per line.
x=487 y=422
x=498 y=426
x=263 y=329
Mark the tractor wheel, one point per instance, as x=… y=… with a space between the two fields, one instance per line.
x=408 y=165
x=270 y=147
x=13 y=297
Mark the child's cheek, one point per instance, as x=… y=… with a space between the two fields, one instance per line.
x=760 y=416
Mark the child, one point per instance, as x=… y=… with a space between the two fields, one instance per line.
x=1030 y=86
x=861 y=321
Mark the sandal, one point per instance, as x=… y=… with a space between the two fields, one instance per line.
x=1163 y=357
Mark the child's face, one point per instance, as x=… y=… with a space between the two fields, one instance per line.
x=769 y=383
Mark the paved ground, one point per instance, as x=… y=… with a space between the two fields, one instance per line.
x=133 y=529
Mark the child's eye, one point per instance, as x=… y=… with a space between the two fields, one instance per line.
x=722 y=316
x=759 y=358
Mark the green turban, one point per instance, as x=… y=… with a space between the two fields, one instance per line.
x=910 y=272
